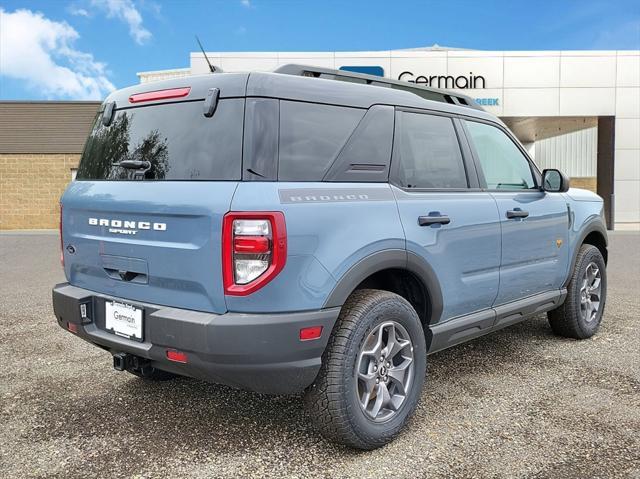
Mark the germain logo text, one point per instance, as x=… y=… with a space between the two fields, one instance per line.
x=445 y=81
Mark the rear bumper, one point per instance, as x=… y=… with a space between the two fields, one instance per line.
x=259 y=352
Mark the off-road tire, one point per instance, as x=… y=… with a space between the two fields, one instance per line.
x=567 y=320
x=332 y=401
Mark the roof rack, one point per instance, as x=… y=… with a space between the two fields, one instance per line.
x=427 y=93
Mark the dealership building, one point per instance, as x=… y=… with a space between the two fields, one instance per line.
x=578 y=111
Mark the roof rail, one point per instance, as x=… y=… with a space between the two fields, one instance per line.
x=427 y=93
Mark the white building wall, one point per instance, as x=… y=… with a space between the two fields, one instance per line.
x=525 y=84
x=573 y=153
x=627 y=142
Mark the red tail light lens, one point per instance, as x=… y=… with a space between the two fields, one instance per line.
x=250 y=244
x=61 y=242
x=254 y=250
x=159 y=95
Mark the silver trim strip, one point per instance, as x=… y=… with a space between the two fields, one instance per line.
x=334 y=195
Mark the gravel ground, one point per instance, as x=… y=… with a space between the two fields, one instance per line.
x=518 y=403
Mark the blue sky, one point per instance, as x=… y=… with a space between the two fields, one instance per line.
x=81 y=49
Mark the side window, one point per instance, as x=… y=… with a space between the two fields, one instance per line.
x=503 y=164
x=427 y=153
x=367 y=153
x=311 y=137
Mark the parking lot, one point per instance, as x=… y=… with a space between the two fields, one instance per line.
x=519 y=403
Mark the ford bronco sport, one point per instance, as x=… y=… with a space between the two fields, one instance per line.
x=316 y=230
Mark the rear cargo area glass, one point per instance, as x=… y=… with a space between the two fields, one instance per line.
x=177 y=140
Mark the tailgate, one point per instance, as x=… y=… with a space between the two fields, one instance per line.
x=150 y=241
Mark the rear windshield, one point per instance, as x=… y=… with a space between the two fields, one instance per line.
x=177 y=141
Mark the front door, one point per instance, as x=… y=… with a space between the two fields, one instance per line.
x=534 y=223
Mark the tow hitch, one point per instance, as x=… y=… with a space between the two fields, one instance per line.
x=120 y=361
x=129 y=362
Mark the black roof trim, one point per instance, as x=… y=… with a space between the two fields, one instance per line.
x=427 y=93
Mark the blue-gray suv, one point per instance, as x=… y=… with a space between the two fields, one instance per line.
x=316 y=230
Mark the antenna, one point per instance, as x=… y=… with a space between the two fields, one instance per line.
x=211 y=67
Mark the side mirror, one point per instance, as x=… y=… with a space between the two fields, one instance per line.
x=554 y=181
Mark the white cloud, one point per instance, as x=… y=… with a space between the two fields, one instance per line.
x=246 y=3
x=41 y=52
x=78 y=12
x=126 y=11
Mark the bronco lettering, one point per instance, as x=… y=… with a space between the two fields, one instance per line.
x=127 y=227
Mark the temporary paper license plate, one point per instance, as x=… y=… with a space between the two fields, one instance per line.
x=124 y=320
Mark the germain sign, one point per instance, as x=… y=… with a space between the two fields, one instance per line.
x=447 y=82
x=444 y=81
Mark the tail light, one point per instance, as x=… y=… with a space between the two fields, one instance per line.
x=61 y=242
x=254 y=250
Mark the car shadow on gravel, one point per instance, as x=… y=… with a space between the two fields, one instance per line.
x=149 y=421
x=192 y=412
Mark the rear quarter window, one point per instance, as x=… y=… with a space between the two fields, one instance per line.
x=311 y=137
x=177 y=140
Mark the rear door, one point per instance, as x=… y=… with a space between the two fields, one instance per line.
x=156 y=238
x=448 y=220
x=534 y=223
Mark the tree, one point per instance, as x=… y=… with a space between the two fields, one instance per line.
x=107 y=146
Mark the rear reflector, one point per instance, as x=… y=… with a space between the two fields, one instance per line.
x=72 y=327
x=159 y=95
x=313 y=332
x=176 y=356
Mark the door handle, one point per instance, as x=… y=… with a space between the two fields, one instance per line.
x=517 y=213
x=433 y=220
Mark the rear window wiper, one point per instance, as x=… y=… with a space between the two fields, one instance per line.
x=142 y=166
x=134 y=164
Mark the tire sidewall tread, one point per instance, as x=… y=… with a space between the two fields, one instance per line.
x=567 y=320
x=331 y=400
